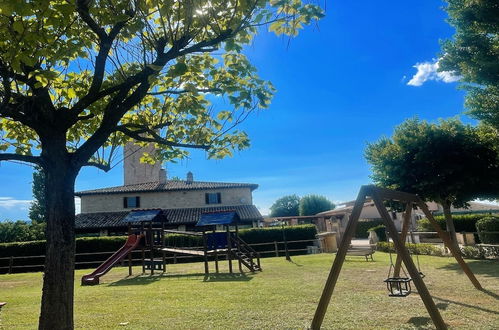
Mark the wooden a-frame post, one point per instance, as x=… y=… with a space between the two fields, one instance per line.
x=378 y=195
x=403 y=237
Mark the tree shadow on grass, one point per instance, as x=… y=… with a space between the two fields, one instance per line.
x=480 y=267
x=220 y=277
x=420 y=321
x=148 y=279
x=446 y=302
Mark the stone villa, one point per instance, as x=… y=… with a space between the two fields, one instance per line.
x=146 y=187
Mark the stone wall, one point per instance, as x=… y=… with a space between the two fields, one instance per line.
x=165 y=199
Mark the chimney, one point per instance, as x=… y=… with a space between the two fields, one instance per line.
x=162 y=176
x=136 y=172
x=190 y=177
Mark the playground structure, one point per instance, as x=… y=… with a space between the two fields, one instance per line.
x=147 y=232
x=397 y=285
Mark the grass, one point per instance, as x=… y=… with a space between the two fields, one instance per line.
x=283 y=296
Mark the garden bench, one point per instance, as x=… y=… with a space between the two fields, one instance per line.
x=364 y=251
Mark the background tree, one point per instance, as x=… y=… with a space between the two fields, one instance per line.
x=473 y=54
x=285 y=206
x=445 y=162
x=37 y=208
x=313 y=204
x=21 y=231
x=80 y=78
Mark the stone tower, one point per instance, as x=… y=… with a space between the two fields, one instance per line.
x=137 y=172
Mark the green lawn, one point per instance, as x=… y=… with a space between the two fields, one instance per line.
x=283 y=296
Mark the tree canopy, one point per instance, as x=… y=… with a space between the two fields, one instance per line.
x=473 y=54
x=80 y=78
x=446 y=162
x=108 y=72
x=313 y=204
x=285 y=206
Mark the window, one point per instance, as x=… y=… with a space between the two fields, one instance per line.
x=131 y=202
x=213 y=198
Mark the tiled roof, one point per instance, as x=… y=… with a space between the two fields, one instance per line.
x=169 y=185
x=247 y=213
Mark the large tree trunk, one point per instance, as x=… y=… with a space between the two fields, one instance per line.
x=450 y=224
x=58 y=281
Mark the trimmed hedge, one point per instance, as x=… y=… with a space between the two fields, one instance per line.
x=462 y=222
x=488 y=224
x=113 y=243
x=256 y=235
x=419 y=248
x=363 y=226
x=380 y=231
x=480 y=252
x=83 y=245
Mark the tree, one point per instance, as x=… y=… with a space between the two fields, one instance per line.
x=445 y=162
x=473 y=54
x=313 y=204
x=80 y=78
x=37 y=207
x=21 y=231
x=285 y=206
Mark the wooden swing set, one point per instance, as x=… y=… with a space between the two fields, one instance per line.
x=397 y=285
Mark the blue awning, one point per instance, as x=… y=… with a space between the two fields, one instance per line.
x=142 y=215
x=217 y=218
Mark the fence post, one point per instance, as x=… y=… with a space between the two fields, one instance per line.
x=11 y=262
x=465 y=240
x=276 y=249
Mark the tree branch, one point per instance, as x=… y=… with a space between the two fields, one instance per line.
x=105 y=44
x=23 y=158
x=82 y=9
x=183 y=91
x=156 y=138
x=100 y=166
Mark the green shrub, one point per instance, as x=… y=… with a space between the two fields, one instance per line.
x=462 y=222
x=420 y=248
x=363 y=227
x=487 y=224
x=380 y=231
x=83 y=245
x=21 y=231
x=473 y=252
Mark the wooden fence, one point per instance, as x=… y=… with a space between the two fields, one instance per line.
x=16 y=264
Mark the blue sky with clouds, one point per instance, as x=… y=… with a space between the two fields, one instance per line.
x=365 y=68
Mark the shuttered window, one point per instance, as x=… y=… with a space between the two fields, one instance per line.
x=213 y=198
x=131 y=202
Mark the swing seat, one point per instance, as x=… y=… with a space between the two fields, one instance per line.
x=398 y=286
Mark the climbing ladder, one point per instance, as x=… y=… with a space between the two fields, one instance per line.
x=245 y=254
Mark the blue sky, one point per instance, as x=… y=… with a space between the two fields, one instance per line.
x=339 y=85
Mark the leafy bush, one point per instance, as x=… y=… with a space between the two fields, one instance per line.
x=488 y=224
x=83 y=245
x=380 y=231
x=462 y=222
x=363 y=226
x=420 y=248
x=480 y=252
x=21 y=231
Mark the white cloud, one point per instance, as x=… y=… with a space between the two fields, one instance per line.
x=11 y=203
x=429 y=71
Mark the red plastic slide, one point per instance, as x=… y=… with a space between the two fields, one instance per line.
x=131 y=243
